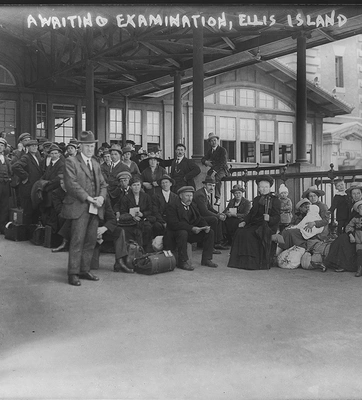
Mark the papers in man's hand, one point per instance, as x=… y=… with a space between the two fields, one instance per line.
x=93 y=209
x=233 y=210
x=134 y=210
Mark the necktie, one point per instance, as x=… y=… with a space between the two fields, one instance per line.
x=51 y=164
x=89 y=166
x=186 y=208
x=112 y=165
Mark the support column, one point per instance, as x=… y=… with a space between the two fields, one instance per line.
x=198 y=94
x=89 y=102
x=301 y=116
x=125 y=121
x=177 y=109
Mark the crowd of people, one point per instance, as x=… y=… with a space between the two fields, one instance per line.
x=119 y=195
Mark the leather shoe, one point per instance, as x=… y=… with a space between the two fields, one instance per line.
x=219 y=246
x=74 y=280
x=340 y=270
x=120 y=265
x=186 y=266
x=209 y=263
x=61 y=247
x=89 y=276
x=216 y=251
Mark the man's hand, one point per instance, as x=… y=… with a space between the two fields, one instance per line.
x=242 y=224
x=308 y=226
x=118 y=215
x=147 y=185
x=222 y=217
x=207 y=230
x=352 y=239
x=91 y=200
x=196 y=229
x=266 y=217
x=100 y=231
x=213 y=174
x=208 y=163
x=139 y=214
x=138 y=219
x=154 y=183
x=24 y=181
x=99 y=201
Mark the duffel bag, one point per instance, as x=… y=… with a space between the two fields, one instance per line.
x=134 y=250
x=150 y=264
x=290 y=258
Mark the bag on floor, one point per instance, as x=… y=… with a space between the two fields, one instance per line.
x=157 y=243
x=290 y=258
x=150 y=264
x=134 y=250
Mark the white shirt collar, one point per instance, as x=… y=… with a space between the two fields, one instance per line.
x=166 y=195
x=85 y=159
x=115 y=163
x=2 y=158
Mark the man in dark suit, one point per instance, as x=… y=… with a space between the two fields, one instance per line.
x=5 y=177
x=216 y=158
x=202 y=198
x=28 y=169
x=183 y=170
x=86 y=192
x=117 y=166
x=162 y=198
x=185 y=225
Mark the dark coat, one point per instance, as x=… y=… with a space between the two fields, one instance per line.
x=105 y=168
x=242 y=209
x=184 y=173
x=145 y=204
x=218 y=158
x=122 y=193
x=27 y=168
x=78 y=183
x=109 y=219
x=113 y=183
x=177 y=217
x=58 y=196
x=148 y=176
x=159 y=205
x=51 y=174
x=204 y=205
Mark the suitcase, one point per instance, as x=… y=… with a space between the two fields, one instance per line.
x=38 y=236
x=17 y=216
x=51 y=239
x=17 y=233
x=154 y=263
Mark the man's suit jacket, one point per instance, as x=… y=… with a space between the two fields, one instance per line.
x=145 y=204
x=109 y=219
x=218 y=158
x=178 y=219
x=184 y=173
x=242 y=209
x=205 y=207
x=122 y=193
x=159 y=205
x=78 y=184
x=51 y=174
x=113 y=183
x=27 y=168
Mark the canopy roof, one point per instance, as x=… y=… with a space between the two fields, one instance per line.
x=136 y=50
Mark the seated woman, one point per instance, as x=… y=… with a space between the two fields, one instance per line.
x=294 y=237
x=136 y=215
x=152 y=174
x=312 y=215
x=132 y=165
x=342 y=254
x=251 y=247
x=237 y=208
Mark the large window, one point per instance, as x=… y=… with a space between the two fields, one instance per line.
x=115 y=124
x=41 y=119
x=227 y=97
x=64 y=122
x=265 y=100
x=209 y=125
x=339 y=71
x=267 y=140
x=153 y=127
x=8 y=116
x=134 y=126
x=247 y=151
x=6 y=78
x=247 y=130
x=247 y=98
x=266 y=153
x=309 y=143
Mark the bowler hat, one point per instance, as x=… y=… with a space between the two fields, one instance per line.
x=186 y=189
x=301 y=202
x=265 y=178
x=124 y=174
x=209 y=179
x=354 y=185
x=130 y=142
x=237 y=188
x=313 y=189
x=212 y=135
x=87 y=137
x=54 y=147
x=4 y=142
x=163 y=177
x=116 y=147
x=23 y=136
x=31 y=142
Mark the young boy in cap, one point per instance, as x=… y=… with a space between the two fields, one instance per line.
x=341 y=204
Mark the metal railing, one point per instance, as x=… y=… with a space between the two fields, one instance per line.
x=297 y=182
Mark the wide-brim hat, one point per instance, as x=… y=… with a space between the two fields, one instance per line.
x=142 y=152
x=237 y=188
x=127 y=149
x=265 y=178
x=4 y=142
x=354 y=185
x=186 y=189
x=130 y=142
x=54 y=147
x=165 y=177
x=87 y=137
x=357 y=204
x=73 y=142
x=313 y=189
x=209 y=179
x=301 y=202
x=23 y=136
x=31 y=142
x=212 y=135
x=116 y=147
x=124 y=174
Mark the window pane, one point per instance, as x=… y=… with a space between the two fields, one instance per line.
x=247 y=152
x=266 y=101
x=209 y=125
x=282 y=106
x=339 y=71
x=267 y=131
x=135 y=126
x=230 y=148
x=153 y=127
x=247 y=129
x=227 y=97
x=7 y=116
x=247 y=98
x=285 y=153
x=64 y=128
x=210 y=99
x=227 y=128
x=309 y=134
x=285 y=132
x=266 y=153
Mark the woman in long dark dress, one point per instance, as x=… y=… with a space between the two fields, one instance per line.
x=252 y=242
x=242 y=207
x=152 y=174
x=342 y=254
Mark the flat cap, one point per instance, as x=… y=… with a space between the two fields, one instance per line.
x=124 y=174
x=23 y=136
x=186 y=189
